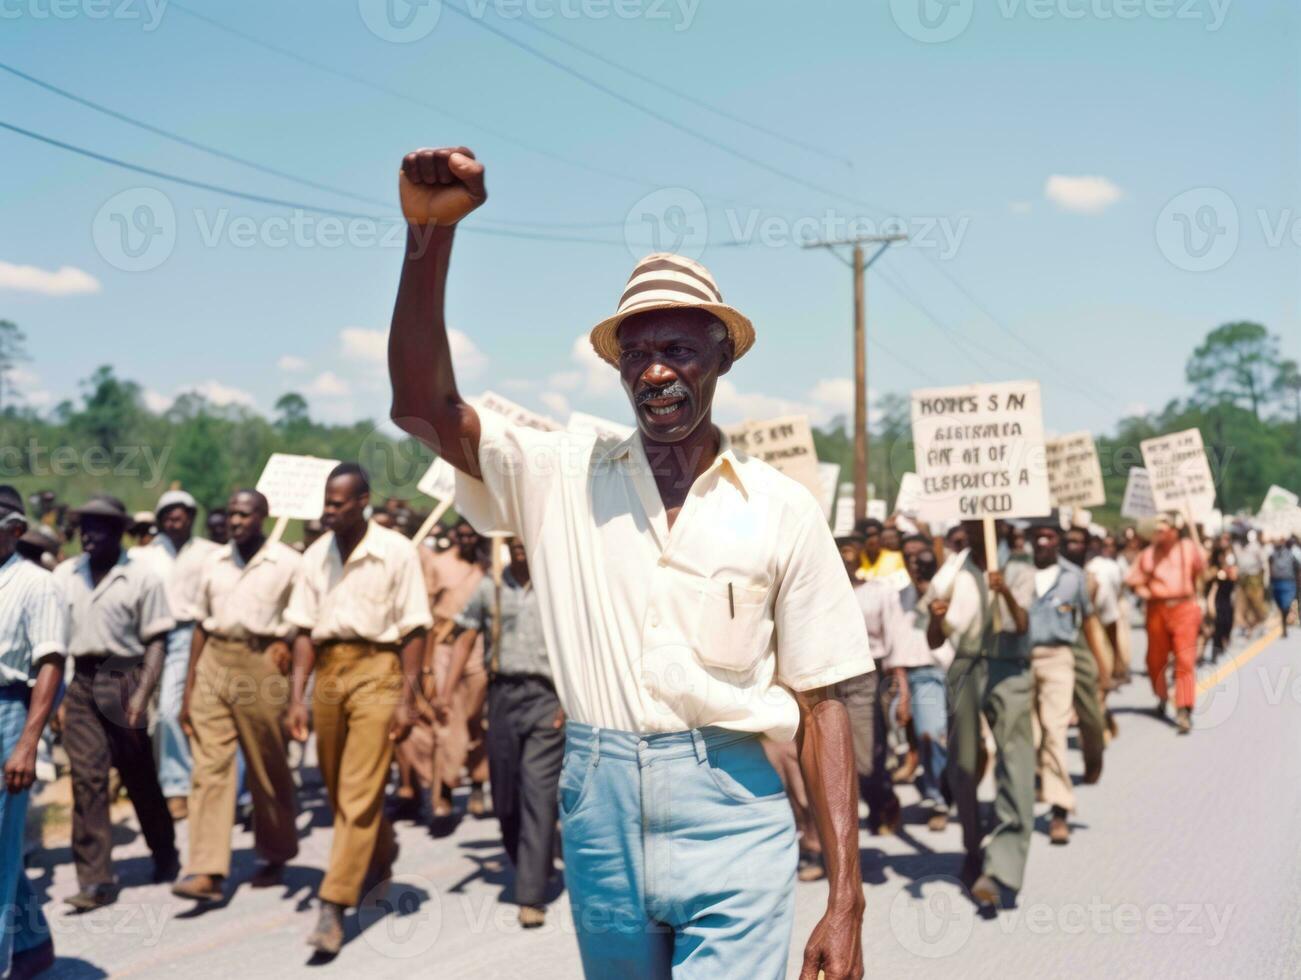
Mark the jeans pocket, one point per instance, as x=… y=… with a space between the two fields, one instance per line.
x=575 y=777
x=742 y=773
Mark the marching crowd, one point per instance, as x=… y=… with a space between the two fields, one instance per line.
x=189 y=665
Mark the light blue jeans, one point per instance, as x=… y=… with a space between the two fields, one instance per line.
x=22 y=923
x=680 y=855
x=170 y=743
x=926 y=689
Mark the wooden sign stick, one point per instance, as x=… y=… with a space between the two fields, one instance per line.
x=278 y=532
x=434 y=517
x=991 y=565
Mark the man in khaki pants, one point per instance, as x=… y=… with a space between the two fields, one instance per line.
x=361 y=607
x=236 y=693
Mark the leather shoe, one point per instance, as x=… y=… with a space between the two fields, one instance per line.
x=166 y=868
x=200 y=888
x=1059 y=831
x=1184 y=721
x=327 y=937
x=987 y=893
x=93 y=897
x=532 y=916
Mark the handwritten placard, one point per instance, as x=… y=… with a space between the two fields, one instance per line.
x=1180 y=472
x=1074 y=472
x=295 y=485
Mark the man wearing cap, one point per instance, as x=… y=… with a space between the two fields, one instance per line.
x=118 y=623
x=692 y=600
x=236 y=695
x=982 y=611
x=179 y=556
x=1165 y=577
x=33 y=641
x=360 y=607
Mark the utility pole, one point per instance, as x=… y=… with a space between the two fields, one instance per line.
x=860 y=348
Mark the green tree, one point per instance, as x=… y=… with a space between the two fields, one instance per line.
x=13 y=348
x=111 y=411
x=291 y=411
x=1235 y=363
x=200 y=461
x=1287 y=387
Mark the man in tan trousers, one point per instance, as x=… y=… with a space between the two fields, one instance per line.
x=236 y=694
x=363 y=615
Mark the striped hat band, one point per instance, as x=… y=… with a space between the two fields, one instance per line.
x=664 y=281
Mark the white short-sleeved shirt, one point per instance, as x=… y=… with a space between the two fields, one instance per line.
x=33 y=620
x=121 y=614
x=650 y=630
x=180 y=570
x=238 y=599
x=377 y=595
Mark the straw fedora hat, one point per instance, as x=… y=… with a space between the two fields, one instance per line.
x=664 y=281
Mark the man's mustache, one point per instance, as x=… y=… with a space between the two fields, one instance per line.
x=674 y=389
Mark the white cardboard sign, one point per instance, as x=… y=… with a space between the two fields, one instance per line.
x=439 y=481
x=603 y=428
x=1278 y=498
x=490 y=401
x=980 y=450
x=1138 y=504
x=784 y=443
x=1180 y=472
x=1074 y=472
x=829 y=476
x=295 y=485
x=844 y=522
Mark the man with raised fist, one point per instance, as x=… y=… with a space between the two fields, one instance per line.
x=692 y=600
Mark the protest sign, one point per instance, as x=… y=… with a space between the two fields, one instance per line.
x=604 y=429
x=1074 y=473
x=490 y=401
x=876 y=510
x=439 y=481
x=828 y=477
x=1138 y=504
x=844 y=522
x=980 y=450
x=295 y=485
x=785 y=443
x=1278 y=499
x=909 y=499
x=1180 y=473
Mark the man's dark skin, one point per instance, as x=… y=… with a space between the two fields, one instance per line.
x=246 y=510
x=101 y=540
x=20 y=767
x=346 y=500
x=1076 y=551
x=177 y=522
x=975 y=535
x=657 y=349
x=218 y=527
x=872 y=543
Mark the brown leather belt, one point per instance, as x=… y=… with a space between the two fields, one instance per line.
x=257 y=644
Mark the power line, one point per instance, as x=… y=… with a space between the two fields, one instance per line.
x=685 y=96
x=654 y=113
x=276 y=201
x=405 y=96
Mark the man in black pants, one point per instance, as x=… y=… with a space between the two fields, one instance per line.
x=117 y=634
x=526 y=738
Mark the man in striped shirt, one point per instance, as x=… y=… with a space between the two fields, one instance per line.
x=33 y=640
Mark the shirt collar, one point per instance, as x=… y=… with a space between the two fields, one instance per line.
x=116 y=572
x=9 y=567
x=727 y=459
x=367 y=547
x=231 y=554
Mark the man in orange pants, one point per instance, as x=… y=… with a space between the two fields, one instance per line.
x=1165 y=577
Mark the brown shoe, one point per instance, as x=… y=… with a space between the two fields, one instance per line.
x=1059 y=831
x=268 y=874
x=938 y=821
x=476 y=806
x=532 y=916
x=891 y=818
x=327 y=937
x=178 y=807
x=1184 y=721
x=987 y=893
x=1092 y=773
x=200 y=888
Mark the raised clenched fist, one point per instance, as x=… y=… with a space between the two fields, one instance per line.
x=440 y=187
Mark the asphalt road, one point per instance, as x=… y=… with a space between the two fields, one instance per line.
x=1184 y=862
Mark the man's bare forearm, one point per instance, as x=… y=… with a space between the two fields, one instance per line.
x=152 y=672
x=42 y=702
x=426 y=401
x=304 y=661
x=826 y=752
x=412 y=657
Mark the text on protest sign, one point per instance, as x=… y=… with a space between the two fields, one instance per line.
x=784 y=443
x=490 y=401
x=1074 y=472
x=1180 y=472
x=1138 y=504
x=604 y=429
x=980 y=450
x=295 y=485
x=439 y=481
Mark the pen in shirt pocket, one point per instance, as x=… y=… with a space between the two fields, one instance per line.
x=731 y=602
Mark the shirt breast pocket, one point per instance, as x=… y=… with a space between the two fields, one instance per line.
x=731 y=627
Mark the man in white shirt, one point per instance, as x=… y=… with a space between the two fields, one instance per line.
x=178 y=556
x=692 y=599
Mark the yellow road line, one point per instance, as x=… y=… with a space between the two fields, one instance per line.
x=1240 y=661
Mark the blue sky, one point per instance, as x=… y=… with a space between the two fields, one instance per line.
x=1104 y=179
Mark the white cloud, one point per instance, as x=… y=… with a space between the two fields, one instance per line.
x=26 y=386
x=63 y=281
x=732 y=405
x=364 y=345
x=1086 y=194
x=556 y=403
x=221 y=394
x=327 y=384
x=467 y=359
x=155 y=402
x=835 y=396
x=291 y=364
x=590 y=376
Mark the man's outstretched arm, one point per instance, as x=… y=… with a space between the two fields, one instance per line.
x=438 y=187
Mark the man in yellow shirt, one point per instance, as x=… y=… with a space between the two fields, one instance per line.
x=879 y=562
